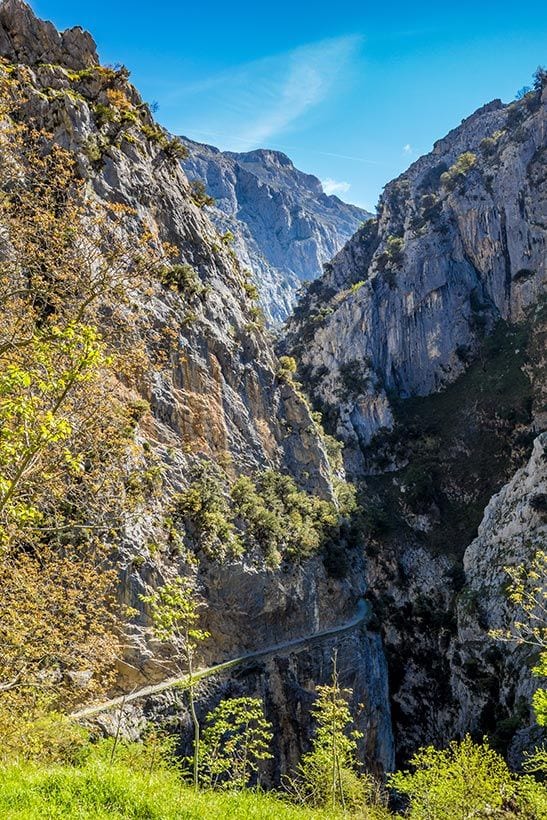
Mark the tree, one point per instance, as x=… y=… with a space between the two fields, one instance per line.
x=198 y=193
x=175 y=613
x=540 y=78
x=527 y=592
x=70 y=266
x=327 y=775
x=65 y=263
x=236 y=739
x=465 y=780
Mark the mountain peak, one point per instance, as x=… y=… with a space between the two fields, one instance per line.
x=267 y=156
x=24 y=38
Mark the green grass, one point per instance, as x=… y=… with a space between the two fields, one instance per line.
x=103 y=792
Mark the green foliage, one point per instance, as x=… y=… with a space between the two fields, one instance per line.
x=527 y=593
x=356 y=286
x=236 y=739
x=394 y=249
x=199 y=195
x=287 y=367
x=540 y=78
x=37 y=412
x=278 y=518
x=457 y=172
x=205 y=512
x=392 y=257
x=251 y=291
x=104 y=114
x=267 y=515
x=466 y=780
x=258 y=320
x=184 y=278
x=174 y=611
x=175 y=149
x=327 y=775
x=175 y=614
x=334 y=448
x=172 y=147
x=228 y=238
x=46 y=737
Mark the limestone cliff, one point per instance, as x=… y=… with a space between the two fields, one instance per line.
x=285 y=226
x=424 y=348
x=458 y=244
x=210 y=390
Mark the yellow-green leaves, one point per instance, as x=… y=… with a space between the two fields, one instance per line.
x=236 y=739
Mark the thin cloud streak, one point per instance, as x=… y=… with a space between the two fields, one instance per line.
x=275 y=145
x=267 y=97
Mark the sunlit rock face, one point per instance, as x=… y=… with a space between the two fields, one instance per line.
x=424 y=347
x=409 y=298
x=212 y=390
x=285 y=226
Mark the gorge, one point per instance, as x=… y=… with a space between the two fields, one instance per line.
x=360 y=481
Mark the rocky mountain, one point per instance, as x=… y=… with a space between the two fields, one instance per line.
x=211 y=396
x=285 y=226
x=424 y=348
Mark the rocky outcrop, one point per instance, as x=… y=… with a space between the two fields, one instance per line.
x=513 y=529
x=423 y=346
x=209 y=386
x=285 y=226
x=25 y=39
x=460 y=242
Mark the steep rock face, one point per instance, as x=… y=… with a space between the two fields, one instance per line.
x=424 y=348
x=25 y=39
x=286 y=684
x=407 y=300
x=210 y=381
x=285 y=226
x=513 y=529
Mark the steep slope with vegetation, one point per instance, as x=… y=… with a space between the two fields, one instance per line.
x=423 y=347
x=169 y=498
x=148 y=431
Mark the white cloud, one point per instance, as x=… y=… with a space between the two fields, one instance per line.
x=331 y=186
x=407 y=149
x=264 y=98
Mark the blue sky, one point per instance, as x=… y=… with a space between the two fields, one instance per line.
x=351 y=91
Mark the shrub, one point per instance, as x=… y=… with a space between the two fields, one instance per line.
x=457 y=172
x=184 y=278
x=199 y=195
x=280 y=519
x=540 y=78
x=251 y=291
x=228 y=238
x=287 y=367
x=328 y=775
x=464 y=780
x=175 y=149
x=267 y=514
x=205 y=513
x=104 y=114
x=236 y=739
